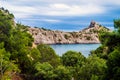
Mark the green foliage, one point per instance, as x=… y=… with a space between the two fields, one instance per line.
x=117 y=23
x=62 y=73
x=109 y=41
x=19 y=46
x=48 y=55
x=113 y=71
x=111 y=49
x=101 y=52
x=93 y=69
x=74 y=34
x=35 y=55
x=73 y=61
x=22 y=27
x=94 y=77
x=17 y=41
x=6 y=66
x=72 y=58
x=88 y=38
x=44 y=71
x=6 y=23
x=66 y=36
x=22 y=39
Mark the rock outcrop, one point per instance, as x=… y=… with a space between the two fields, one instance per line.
x=88 y=35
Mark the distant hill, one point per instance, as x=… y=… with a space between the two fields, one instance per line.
x=87 y=35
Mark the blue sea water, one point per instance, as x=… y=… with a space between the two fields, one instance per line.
x=83 y=48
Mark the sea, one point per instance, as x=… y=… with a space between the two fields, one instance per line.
x=85 y=49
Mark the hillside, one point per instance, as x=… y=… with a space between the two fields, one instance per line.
x=87 y=35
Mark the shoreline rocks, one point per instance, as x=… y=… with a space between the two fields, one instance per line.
x=87 y=35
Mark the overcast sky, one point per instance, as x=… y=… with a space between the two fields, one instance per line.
x=67 y=15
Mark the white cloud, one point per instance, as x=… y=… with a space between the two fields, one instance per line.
x=73 y=10
x=59 y=6
x=56 y=9
x=20 y=11
x=25 y=9
x=45 y=20
x=51 y=20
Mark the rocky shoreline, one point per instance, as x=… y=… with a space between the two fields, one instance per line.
x=88 y=35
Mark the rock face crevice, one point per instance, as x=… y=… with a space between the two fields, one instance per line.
x=87 y=35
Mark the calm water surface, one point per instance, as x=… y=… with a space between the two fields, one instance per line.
x=83 y=48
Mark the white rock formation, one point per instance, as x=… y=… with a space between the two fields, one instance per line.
x=88 y=35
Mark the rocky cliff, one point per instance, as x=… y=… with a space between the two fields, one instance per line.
x=88 y=35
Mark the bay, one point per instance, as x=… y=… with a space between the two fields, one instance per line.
x=83 y=48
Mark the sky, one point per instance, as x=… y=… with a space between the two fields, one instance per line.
x=66 y=15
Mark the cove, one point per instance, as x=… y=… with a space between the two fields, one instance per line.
x=83 y=48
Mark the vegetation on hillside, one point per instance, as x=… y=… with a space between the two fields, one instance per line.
x=110 y=51
x=20 y=60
